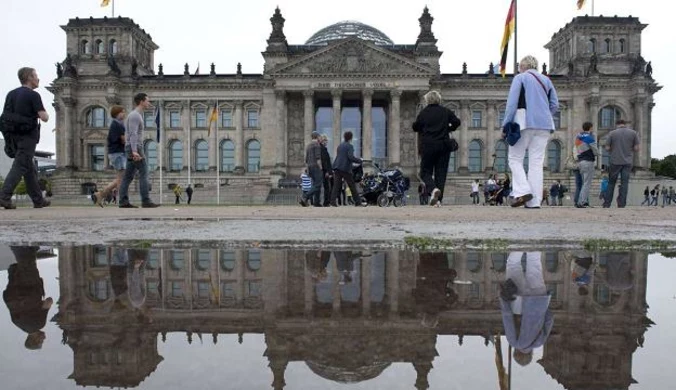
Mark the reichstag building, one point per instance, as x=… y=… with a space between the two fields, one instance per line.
x=347 y=76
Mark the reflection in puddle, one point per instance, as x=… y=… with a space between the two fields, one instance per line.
x=349 y=316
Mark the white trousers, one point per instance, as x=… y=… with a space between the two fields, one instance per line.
x=535 y=142
x=530 y=282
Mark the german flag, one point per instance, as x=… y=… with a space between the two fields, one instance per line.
x=509 y=30
x=212 y=118
x=580 y=3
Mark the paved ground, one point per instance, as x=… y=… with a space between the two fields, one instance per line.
x=287 y=225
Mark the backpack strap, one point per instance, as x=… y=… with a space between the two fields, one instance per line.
x=541 y=83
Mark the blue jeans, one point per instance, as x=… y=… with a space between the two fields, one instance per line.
x=132 y=166
x=615 y=171
x=578 y=185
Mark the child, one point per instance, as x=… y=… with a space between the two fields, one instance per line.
x=305 y=183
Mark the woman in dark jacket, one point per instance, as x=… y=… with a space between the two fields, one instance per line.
x=434 y=124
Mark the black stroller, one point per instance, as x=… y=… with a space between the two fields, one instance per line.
x=384 y=187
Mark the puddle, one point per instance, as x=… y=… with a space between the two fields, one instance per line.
x=345 y=319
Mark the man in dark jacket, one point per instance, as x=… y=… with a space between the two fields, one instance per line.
x=342 y=170
x=326 y=170
x=313 y=162
x=24 y=294
x=188 y=192
x=435 y=123
x=20 y=128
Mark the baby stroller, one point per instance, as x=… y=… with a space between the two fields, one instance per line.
x=385 y=187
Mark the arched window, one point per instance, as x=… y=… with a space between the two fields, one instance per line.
x=201 y=156
x=96 y=117
x=607 y=47
x=554 y=156
x=176 y=155
x=227 y=155
x=591 y=46
x=621 y=47
x=98 y=47
x=228 y=260
x=100 y=258
x=500 y=164
x=150 y=151
x=452 y=163
x=608 y=116
x=202 y=259
x=112 y=46
x=475 y=158
x=176 y=260
x=85 y=48
x=253 y=155
x=253 y=259
x=499 y=261
x=473 y=262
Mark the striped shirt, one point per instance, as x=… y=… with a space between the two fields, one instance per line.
x=305 y=182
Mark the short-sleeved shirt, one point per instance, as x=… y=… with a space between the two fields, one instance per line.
x=622 y=142
x=27 y=103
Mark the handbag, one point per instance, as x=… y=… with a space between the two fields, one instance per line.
x=571 y=163
x=451 y=144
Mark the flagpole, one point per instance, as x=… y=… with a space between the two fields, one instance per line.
x=592 y=7
x=160 y=147
x=218 y=161
x=113 y=8
x=516 y=40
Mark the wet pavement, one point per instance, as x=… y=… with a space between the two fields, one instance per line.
x=252 y=318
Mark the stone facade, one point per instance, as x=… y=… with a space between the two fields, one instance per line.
x=266 y=119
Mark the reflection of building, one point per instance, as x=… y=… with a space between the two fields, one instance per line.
x=373 y=85
x=347 y=315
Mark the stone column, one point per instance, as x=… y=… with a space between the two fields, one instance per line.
x=308 y=116
x=464 y=135
x=640 y=109
x=392 y=283
x=280 y=160
x=337 y=94
x=68 y=133
x=418 y=138
x=394 y=136
x=648 y=131
x=365 y=278
x=491 y=133
x=239 y=137
x=186 y=118
x=213 y=146
x=367 y=125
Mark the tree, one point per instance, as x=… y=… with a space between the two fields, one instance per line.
x=664 y=167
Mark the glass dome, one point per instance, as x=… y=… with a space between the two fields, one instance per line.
x=346 y=29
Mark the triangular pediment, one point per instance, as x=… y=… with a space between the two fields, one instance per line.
x=352 y=56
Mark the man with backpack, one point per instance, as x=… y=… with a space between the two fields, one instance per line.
x=20 y=128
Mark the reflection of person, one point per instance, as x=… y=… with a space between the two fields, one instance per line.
x=127 y=277
x=24 y=294
x=582 y=270
x=524 y=303
x=345 y=264
x=316 y=262
x=434 y=291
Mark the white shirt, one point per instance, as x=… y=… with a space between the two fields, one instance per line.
x=475 y=187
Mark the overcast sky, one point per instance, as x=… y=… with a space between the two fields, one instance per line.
x=228 y=31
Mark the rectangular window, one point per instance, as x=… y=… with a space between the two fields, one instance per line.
x=252 y=288
x=96 y=153
x=476 y=119
x=501 y=118
x=226 y=118
x=228 y=290
x=149 y=120
x=203 y=289
x=252 y=118
x=200 y=118
x=177 y=289
x=174 y=119
x=557 y=120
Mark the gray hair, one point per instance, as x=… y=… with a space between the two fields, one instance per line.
x=529 y=62
x=433 y=97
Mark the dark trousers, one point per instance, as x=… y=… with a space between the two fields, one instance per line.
x=23 y=167
x=338 y=177
x=130 y=171
x=189 y=198
x=178 y=199
x=578 y=187
x=328 y=180
x=623 y=172
x=317 y=177
x=434 y=167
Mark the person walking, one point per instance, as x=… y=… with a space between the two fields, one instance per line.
x=21 y=130
x=326 y=170
x=342 y=171
x=671 y=195
x=177 y=193
x=654 y=195
x=434 y=124
x=188 y=191
x=536 y=93
x=136 y=161
x=313 y=162
x=116 y=155
x=587 y=153
x=646 y=196
x=622 y=143
x=665 y=195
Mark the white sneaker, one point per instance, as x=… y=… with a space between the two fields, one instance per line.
x=436 y=193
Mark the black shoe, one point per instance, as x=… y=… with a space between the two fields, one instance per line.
x=521 y=200
x=7 y=204
x=149 y=205
x=127 y=206
x=333 y=205
x=44 y=203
